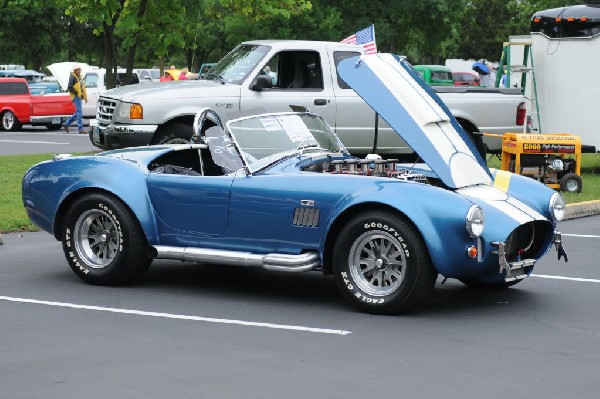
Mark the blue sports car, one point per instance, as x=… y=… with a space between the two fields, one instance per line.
x=280 y=192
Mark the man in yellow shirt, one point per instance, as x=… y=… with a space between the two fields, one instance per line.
x=76 y=89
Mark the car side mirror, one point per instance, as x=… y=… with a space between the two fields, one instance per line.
x=261 y=82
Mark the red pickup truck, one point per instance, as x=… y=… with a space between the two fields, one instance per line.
x=18 y=106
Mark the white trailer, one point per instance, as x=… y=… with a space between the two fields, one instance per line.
x=565 y=55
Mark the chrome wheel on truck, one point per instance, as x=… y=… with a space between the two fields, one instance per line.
x=10 y=121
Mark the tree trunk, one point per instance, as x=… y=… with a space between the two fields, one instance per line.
x=109 y=55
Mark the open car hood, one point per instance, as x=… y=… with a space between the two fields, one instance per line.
x=62 y=70
x=395 y=91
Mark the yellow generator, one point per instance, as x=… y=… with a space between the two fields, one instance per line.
x=553 y=159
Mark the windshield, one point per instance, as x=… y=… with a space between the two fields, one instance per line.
x=238 y=64
x=264 y=139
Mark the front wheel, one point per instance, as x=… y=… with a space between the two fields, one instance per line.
x=173 y=133
x=381 y=263
x=103 y=241
x=10 y=121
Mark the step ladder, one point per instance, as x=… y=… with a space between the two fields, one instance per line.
x=525 y=68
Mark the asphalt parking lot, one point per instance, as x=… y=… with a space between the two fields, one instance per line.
x=188 y=330
x=40 y=140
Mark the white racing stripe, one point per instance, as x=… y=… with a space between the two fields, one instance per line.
x=177 y=316
x=585 y=280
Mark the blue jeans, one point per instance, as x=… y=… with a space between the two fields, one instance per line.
x=77 y=115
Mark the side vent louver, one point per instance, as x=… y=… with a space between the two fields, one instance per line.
x=307 y=217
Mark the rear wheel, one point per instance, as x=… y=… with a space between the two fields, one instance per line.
x=103 y=241
x=173 y=133
x=381 y=263
x=10 y=121
x=476 y=138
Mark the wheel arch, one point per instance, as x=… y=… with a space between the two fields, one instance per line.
x=187 y=119
x=476 y=136
x=148 y=227
x=467 y=125
x=347 y=215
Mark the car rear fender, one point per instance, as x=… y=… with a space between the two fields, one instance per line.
x=116 y=177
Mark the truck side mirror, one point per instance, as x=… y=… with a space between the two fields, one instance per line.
x=261 y=82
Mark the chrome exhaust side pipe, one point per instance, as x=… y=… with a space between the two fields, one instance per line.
x=277 y=262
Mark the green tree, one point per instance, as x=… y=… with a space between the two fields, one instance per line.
x=486 y=25
x=33 y=34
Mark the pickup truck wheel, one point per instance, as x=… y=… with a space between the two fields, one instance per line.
x=173 y=133
x=103 y=241
x=10 y=121
x=381 y=264
x=476 y=138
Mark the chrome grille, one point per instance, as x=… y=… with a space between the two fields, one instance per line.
x=306 y=217
x=105 y=110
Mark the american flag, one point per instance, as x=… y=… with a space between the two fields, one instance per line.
x=364 y=37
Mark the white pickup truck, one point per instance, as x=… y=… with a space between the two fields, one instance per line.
x=274 y=75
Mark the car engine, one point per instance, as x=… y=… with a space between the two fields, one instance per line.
x=366 y=167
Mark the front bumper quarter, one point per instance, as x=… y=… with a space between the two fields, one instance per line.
x=519 y=269
x=115 y=136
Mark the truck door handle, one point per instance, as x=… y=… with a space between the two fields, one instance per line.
x=320 y=101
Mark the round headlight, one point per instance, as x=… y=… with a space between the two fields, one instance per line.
x=557 y=207
x=475 y=221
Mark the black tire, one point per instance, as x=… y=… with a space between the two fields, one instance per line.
x=488 y=286
x=571 y=183
x=476 y=138
x=10 y=121
x=173 y=133
x=103 y=241
x=380 y=283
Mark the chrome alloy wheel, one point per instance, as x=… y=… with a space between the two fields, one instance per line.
x=97 y=238
x=8 y=121
x=377 y=262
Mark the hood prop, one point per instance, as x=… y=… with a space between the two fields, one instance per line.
x=376 y=136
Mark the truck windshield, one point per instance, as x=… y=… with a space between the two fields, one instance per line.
x=238 y=64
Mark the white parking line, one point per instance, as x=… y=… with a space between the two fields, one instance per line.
x=581 y=235
x=586 y=280
x=33 y=142
x=178 y=316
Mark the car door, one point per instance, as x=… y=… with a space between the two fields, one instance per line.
x=298 y=80
x=184 y=205
x=283 y=213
